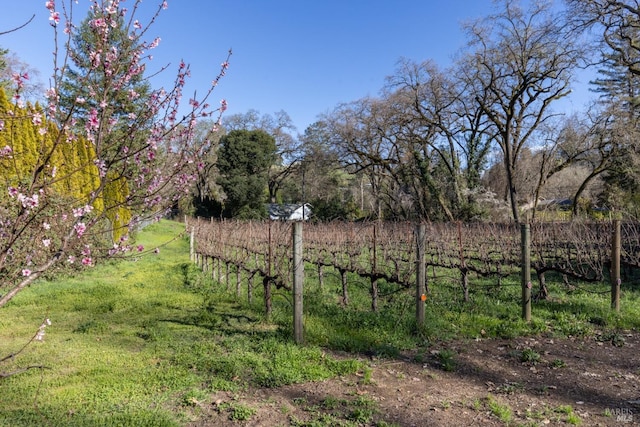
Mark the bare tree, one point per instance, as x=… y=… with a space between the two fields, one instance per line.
x=521 y=63
x=10 y=67
x=441 y=120
x=321 y=179
x=618 y=22
x=366 y=145
x=424 y=98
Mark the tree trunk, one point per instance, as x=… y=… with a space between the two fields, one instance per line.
x=543 y=292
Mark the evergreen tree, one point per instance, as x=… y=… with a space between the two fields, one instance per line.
x=107 y=80
x=244 y=160
x=619 y=89
x=4 y=82
x=617 y=84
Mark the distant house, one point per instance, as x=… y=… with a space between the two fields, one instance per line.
x=559 y=204
x=290 y=212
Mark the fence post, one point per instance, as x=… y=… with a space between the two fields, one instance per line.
x=616 y=248
x=192 y=245
x=298 y=281
x=345 y=291
x=525 y=233
x=267 y=278
x=374 y=270
x=421 y=273
x=238 y=280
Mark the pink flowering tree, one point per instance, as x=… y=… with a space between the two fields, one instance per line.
x=131 y=167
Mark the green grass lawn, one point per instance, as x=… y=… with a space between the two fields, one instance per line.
x=137 y=343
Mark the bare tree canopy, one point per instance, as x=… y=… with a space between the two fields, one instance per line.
x=521 y=63
x=618 y=22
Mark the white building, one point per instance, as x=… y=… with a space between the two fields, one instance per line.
x=290 y=212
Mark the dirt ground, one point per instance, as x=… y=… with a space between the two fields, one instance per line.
x=525 y=381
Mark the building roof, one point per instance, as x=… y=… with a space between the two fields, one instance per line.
x=290 y=211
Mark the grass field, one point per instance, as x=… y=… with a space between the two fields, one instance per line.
x=142 y=342
x=138 y=343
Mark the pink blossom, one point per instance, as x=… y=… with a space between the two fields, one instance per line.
x=80 y=228
x=223 y=105
x=71 y=259
x=55 y=18
x=95 y=59
x=93 y=122
x=51 y=94
x=46 y=225
x=46 y=242
x=18 y=80
x=28 y=202
x=50 y=4
x=154 y=43
x=26 y=272
x=140 y=248
x=102 y=167
x=40 y=335
x=86 y=261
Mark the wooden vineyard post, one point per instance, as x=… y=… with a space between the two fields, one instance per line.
x=525 y=233
x=267 y=279
x=421 y=274
x=227 y=273
x=192 y=245
x=374 y=271
x=616 y=248
x=238 y=281
x=320 y=276
x=250 y=285
x=345 y=290
x=298 y=281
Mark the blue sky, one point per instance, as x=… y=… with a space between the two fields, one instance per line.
x=301 y=56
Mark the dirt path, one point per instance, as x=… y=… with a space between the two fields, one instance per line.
x=524 y=381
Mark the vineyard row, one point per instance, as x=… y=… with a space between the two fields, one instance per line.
x=388 y=251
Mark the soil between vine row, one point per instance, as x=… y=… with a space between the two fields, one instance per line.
x=592 y=381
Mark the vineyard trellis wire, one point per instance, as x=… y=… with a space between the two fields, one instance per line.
x=386 y=251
